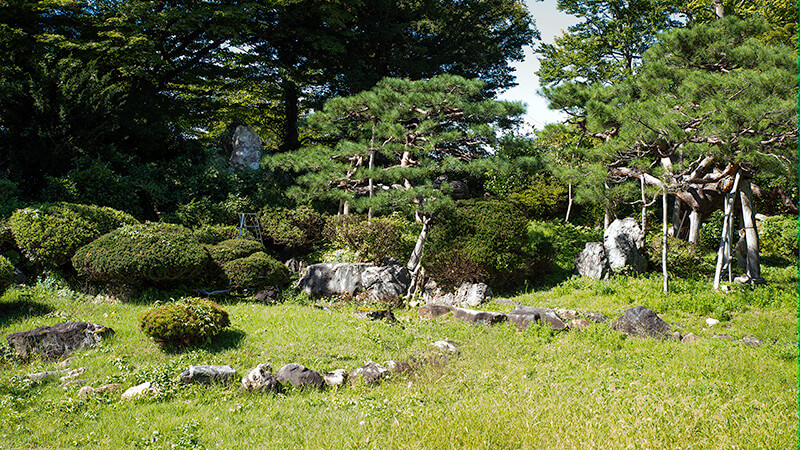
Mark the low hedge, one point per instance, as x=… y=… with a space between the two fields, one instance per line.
x=6 y=274
x=152 y=252
x=256 y=271
x=231 y=249
x=50 y=234
x=214 y=234
x=186 y=321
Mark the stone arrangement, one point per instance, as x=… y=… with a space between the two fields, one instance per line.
x=622 y=246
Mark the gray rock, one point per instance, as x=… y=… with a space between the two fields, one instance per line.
x=523 y=315
x=592 y=262
x=336 y=378
x=467 y=295
x=596 y=317
x=566 y=314
x=58 y=340
x=375 y=314
x=74 y=373
x=433 y=311
x=268 y=295
x=641 y=321
x=623 y=241
x=208 y=374
x=85 y=391
x=41 y=376
x=71 y=383
x=691 y=338
x=578 y=324
x=66 y=362
x=296 y=266
x=300 y=377
x=246 y=148
x=369 y=373
x=261 y=379
x=139 y=390
x=446 y=346
x=380 y=282
x=711 y=322
x=482 y=317
x=751 y=341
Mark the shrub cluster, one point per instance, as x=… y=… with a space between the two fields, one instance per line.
x=50 y=234
x=256 y=271
x=376 y=240
x=478 y=240
x=298 y=228
x=559 y=242
x=151 y=252
x=6 y=274
x=231 y=249
x=780 y=236
x=684 y=260
x=186 y=321
x=214 y=234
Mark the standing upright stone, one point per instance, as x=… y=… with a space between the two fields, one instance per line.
x=623 y=241
x=246 y=147
x=593 y=262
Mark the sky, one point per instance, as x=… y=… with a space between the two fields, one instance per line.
x=549 y=22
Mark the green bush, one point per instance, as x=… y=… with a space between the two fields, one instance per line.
x=8 y=197
x=383 y=237
x=256 y=271
x=485 y=238
x=684 y=260
x=780 y=236
x=50 y=234
x=558 y=241
x=151 y=252
x=214 y=234
x=203 y=211
x=6 y=274
x=298 y=228
x=95 y=184
x=231 y=249
x=186 y=321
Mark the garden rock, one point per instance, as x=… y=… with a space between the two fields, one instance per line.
x=523 y=315
x=299 y=376
x=482 y=317
x=751 y=341
x=75 y=373
x=578 y=324
x=336 y=378
x=71 y=383
x=593 y=262
x=328 y=279
x=208 y=374
x=596 y=317
x=446 y=346
x=711 y=322
x=468 y=294
x=40 y=376
x=58 y=340
x=268 y=295
x=623 y=241
x=261 y=379
x=691 y=338
x=369 y=373
x=139 y=390
x=296 y=266
x=433 y=311
x=375 y=314
x=641 y=321
x=566 y=314
x=85 y=391
x=246 y=148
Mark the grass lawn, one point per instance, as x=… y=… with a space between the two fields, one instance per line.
x=505 y=389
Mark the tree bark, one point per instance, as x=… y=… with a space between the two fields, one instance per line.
x=694 y=227
x=664 y=227
x=676 y=217
x=416 y=256
x=644 y=206
x=750 y=233
x=569 y=201
x=724 y=251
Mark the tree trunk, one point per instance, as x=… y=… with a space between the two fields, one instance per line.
x=371 y=165
x=750 y=233
x=664 y=241
x=676 y=217
x=724 y=251
x=644 y=207
x=694 y=227
x=415 y=261
x=569 y=201
x=346 y=208
x=291 y=138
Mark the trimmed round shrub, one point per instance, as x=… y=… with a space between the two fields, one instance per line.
x=296 y=228
x=231 y=249
x=151 y=252
x=186 y=321
x=214 y=234
x=558 y=241
x=780 y=236
x=50 y=234
x=256 y=271
x=684 y=260
x=6 y=274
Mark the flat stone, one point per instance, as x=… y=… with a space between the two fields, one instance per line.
x=433 y=311
x=375 y=314
x=641 y=321
x=335 y=378
x=722 y=336
x=136 y=391
x=446 y=346
x=75 y=373
x=578 y=324
x=522 y=316
x=711 y=322
x=596 y=317
x=482 y=317
x=566 y=314
x=40 y=376
x=59 y=340
x=71 y=383
x=207 y=374
x=751 y=341
x=369 y=373
x=261 y=379
x=299 y=376
x=691 y=338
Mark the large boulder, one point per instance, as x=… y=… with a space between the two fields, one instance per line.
x=524 y=315
x=299 y=376
x=467 y=295
x=369 y=373
x=593 y=262
x=58 y=340
x=623 y=241
x=643 y=322
x=328 y=279
x=246 y=148
x=481 y=317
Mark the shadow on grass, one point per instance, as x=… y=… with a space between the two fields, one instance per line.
x=21 y=308
x=225 y=340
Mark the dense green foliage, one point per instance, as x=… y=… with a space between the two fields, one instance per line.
x=255 y=271
x=214 y=234
x=136 y=254
x=6 y=274
x=185 y=321
x=50 y=234
x=228 y=250
x=295 y=228
x=375 y=240
x=779 y=236
x=559 y=242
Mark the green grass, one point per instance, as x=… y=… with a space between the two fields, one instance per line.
x=505 y=389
